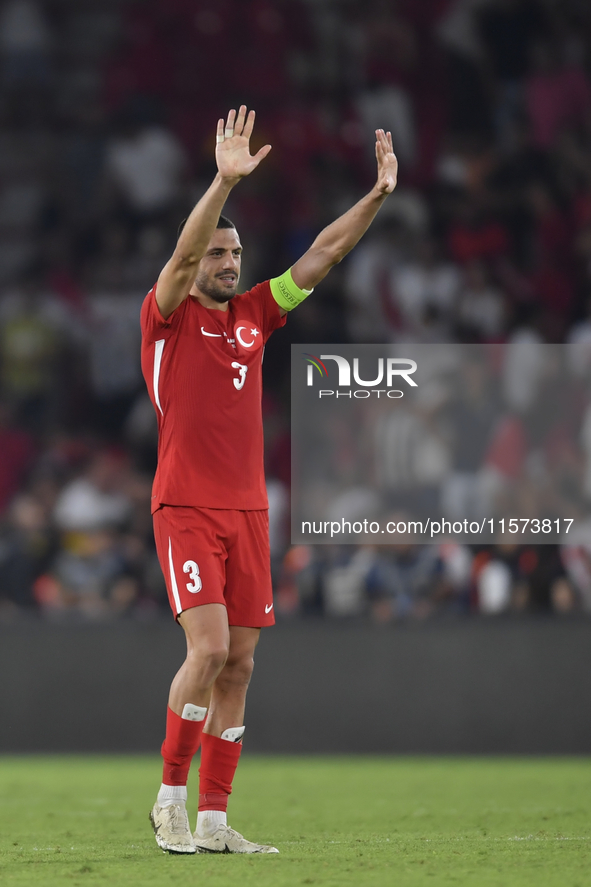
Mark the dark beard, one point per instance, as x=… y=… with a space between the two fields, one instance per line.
x=210 y=288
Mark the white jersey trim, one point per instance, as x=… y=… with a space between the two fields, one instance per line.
x=157 y=363
x=173 y=585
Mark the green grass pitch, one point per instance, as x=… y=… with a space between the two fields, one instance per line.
x=336 y=821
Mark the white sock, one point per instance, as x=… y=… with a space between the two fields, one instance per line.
x=172 y=794
x=209 y=820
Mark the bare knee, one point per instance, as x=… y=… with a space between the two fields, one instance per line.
x=238 y=670
x=208 y=659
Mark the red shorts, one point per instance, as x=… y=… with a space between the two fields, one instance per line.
x=216 y=556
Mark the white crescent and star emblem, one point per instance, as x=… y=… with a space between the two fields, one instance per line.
x=252 y=331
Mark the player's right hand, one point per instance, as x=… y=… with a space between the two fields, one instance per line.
x=387 y=162
x=232 y=151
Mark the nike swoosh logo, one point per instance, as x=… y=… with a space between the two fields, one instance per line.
x=216 y=335
x=269 y=608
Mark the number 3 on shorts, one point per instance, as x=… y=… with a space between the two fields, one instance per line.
x=193 y=570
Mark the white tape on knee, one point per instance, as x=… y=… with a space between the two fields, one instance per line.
x=234 y=734
x=194 y=712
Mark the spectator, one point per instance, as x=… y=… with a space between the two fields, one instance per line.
x=33 y=331
x=278 y=522
x=390 y=108
x=406 y=581
x=508 y=30
x=458 y=31
x=343 y=583
x=97 y=500
x=553 y=271
x=90 y=578
x=579 y=340
x=557 y=95
x=472 y=414
x=113 y=341
x=147 y=165
x=494 y=586
x=372 y=312
x=576 y=559
x=428 y=282
x=27 y=545
x=18 y=451
x=25 y=43
x=412 y=452
x=475 y=234
x=481 y=312
x=83 y=164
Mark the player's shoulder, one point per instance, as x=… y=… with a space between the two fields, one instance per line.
x=256 y=292
x=256 y=296
x=149 y=307
x=151 y=319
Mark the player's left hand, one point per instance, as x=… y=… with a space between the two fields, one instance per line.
x=232 y=151
x=387 y=162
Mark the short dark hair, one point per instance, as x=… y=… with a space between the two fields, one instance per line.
x=223 y=222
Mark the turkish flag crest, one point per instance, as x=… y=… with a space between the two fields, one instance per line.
x=248 y=336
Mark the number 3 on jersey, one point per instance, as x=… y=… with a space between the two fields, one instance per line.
x=239 y=383
x=193 y=570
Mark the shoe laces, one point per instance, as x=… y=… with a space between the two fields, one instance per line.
x=221 y=831
x=179 y=824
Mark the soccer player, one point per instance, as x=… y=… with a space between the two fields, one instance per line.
x=202 y=348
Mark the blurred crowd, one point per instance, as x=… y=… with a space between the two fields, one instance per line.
x=107 y=120
x=405 y=582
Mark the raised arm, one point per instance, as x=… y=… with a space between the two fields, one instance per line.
x=339 y=238
x=234 y=161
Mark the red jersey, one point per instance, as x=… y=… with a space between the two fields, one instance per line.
x=203 y=369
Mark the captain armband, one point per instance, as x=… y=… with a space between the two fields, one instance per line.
x=286 y=293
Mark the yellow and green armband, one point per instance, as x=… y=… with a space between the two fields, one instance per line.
x=286 y=293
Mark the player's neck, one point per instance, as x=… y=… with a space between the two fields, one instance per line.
x=207 y=301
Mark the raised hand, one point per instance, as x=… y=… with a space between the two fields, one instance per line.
x=232 y=151
x=387 y=162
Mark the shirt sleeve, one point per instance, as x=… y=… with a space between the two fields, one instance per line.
x=153 y=325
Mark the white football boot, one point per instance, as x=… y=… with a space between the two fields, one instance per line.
x=225 y=840
x=172 y=830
